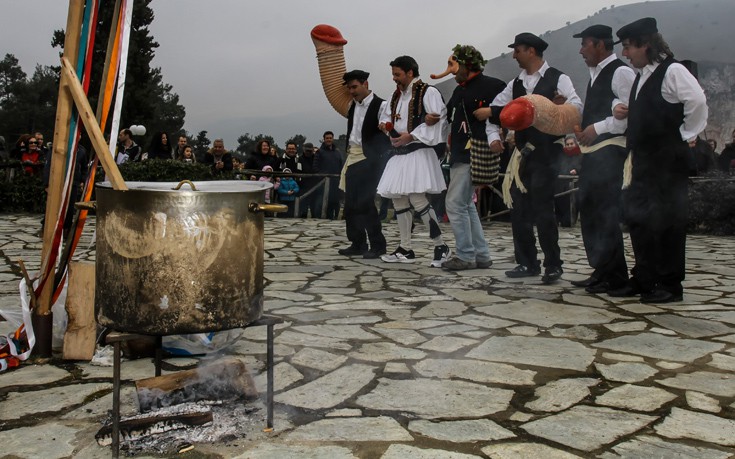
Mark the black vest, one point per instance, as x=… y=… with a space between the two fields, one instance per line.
x=374 y=142
x=598 y=102
x=653 y=123
x=546 y=87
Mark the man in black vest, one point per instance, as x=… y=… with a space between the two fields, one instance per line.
x=540 y=160
x=362 y=170
x=601 y=175
x=666 y=112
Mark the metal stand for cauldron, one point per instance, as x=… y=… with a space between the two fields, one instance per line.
x=117 y=338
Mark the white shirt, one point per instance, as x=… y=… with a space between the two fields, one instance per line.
x=358 y=118
x=564 y=87
x=680 y=86
x=622 y=83
x=433 y=103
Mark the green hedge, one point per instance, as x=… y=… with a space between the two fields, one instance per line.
x=25 y=193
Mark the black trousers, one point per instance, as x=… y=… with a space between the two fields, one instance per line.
x=656 y=207
x=535 y=208
x=599 y=201
x=361 y=216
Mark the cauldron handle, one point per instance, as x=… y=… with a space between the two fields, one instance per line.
x=185 y=182
x=256 y=207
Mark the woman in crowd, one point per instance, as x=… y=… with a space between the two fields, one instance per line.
x=26 y=150
x=160 y=147
x=261 y=157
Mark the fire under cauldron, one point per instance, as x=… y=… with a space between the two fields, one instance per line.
x=176 y=260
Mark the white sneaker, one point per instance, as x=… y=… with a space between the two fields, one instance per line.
x=400 y=256
x=441 y=254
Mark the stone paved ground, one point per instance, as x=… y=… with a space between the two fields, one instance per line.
x=406 y=361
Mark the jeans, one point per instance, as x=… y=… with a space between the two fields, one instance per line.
x=469 y=237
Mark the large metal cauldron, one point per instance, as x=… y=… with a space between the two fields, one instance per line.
x=187 y=260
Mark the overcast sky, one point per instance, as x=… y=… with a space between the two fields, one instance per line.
x=250 y=66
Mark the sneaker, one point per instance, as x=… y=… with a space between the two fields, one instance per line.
x=441 y=255
x=457 y=264
x=484 y=264
x=552 y=274
x=400 y=256
x=523 y=271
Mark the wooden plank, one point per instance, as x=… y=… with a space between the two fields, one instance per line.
x=91 y=125
x=81 y=329
x=58 y=156
x=225 y=379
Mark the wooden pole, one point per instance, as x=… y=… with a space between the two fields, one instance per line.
x=58 y=158
x=89 y=121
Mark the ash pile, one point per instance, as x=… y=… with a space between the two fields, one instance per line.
x=208 y=404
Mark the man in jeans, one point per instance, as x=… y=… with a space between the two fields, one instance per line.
x=475 y=91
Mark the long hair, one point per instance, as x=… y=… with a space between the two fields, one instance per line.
x=658 y=50
x=259 y=147
x=157 y=145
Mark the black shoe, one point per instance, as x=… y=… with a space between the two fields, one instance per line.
x=552 y=274
x=599 y=287
x=625 y=291
x=590 y=281
x=523 y=271
x=352 y=250
x=373 y=254
x=660 y=296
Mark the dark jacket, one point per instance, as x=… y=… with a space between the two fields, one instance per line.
x=226 y=158
x=328 y=160
x=258 y=161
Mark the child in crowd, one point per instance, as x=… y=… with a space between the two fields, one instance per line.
x=275 y=181
x=287 y=192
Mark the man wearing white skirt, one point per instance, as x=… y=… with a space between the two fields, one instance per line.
x=413 y=169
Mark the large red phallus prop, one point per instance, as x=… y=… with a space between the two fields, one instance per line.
x=328 y=34
x=539 y=112
x=329 y=44
x=518 y=114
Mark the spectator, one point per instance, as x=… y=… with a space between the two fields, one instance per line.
x=31 y=156
x=20 y=147
x=160 y=147
x=127 y=149
x=180 y=145
x=268 y=178
x=218 y=157
x=287 y=192
x=289 y=159
x=261 y=157
x=41 y=145
x=187 y=155
x=713 y=145
x=313 y=200
x=328 y=160
x=726 y=160
x=704 y=156
x=565 y=208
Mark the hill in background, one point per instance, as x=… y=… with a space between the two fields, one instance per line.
x=700 y=30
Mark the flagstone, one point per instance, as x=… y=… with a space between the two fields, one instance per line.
x=708 y=382
x=661 y=347
x=318 y=359
x=587 y=428
x=697 y=426
x=274 y=451
x=483 y=321
x=526 y=451
x=405 y=337
x=32 y=375
x=468 y=431
x=542 y=352
x=430 y=398
x=398 y=451
x=380 y=428
x=627 y=326
x=49 y=441
x=695 y=328
x=702 y=402
x=475 y=370
x=346 y=332
x=561 y=394
x=546 y=314
x=723 y=362
x=329 y=390
x=20 y=404
x=446 y=344
x=628 y=372
x=637 y=398
x=648 y=447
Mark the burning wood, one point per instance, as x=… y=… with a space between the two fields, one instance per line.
x=226 y=379
x=164 y=420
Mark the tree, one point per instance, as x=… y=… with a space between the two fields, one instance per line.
x=147 y=100
x=201 y=145
x=11 y=74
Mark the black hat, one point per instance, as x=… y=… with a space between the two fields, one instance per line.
x=355 y=75
x=645 y=26
x=595 y=31
x=529 y=39
x=307 y=146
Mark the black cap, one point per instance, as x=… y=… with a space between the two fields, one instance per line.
x=595 y=31
x=529 y=39
x=645 y=26
x=355 y=75
x=307 y=146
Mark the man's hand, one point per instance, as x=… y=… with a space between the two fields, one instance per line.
x=587 y=136
x=381 y=126
x=558 y=98
x=620 y=111
x=483 y=113
x=496 y=146
x=404 y=139
x=431 y=119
